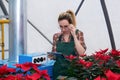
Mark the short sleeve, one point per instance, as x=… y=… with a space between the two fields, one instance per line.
x=55 y=39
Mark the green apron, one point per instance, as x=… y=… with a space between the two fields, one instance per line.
x=61 y=64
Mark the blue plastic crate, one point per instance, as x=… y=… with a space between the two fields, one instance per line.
x=48 y=66
x=33 y=57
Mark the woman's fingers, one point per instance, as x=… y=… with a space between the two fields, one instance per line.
x=71 y=26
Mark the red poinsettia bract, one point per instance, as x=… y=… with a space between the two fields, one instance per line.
x=27 y=66
x=5 y=70
x=102 y=65
x=115 y=52
x=110 y=75
x=70 y=57
x=86 y=64
x=25 y=71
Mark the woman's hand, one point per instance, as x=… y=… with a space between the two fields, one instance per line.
x=79 y=48
x=72 y=29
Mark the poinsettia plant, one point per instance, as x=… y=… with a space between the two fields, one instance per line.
x=25 y=71
x=101 y=65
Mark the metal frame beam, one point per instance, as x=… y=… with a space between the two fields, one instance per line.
x=108 y=23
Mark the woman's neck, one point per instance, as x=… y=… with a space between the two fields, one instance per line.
x=66 y=37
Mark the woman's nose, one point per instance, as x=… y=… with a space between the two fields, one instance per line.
x=62 y=29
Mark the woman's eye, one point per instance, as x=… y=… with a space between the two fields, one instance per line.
x=60 y=26
x=65 y=26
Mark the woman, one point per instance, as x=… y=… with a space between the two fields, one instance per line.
x=69 y=41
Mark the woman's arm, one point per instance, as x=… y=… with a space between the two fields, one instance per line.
x=79 y=40
x=79 y=43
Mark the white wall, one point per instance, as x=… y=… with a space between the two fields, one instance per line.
x=114 y=12
x=90 y=19
x=44 y=15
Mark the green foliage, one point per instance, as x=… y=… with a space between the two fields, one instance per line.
x=90 y=67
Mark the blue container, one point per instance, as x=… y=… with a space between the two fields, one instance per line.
x=38 y=58
x=48 y=66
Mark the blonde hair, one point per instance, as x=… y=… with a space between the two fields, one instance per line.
x=68 y=15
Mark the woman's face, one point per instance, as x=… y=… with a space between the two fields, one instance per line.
x=64 y=26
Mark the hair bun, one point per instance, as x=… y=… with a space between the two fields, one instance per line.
x=72 y=15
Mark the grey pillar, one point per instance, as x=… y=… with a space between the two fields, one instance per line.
x=17 y=29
